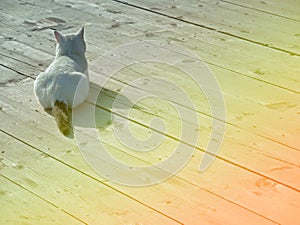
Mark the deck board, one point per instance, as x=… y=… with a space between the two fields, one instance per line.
x=288 y=9
x=224 y=187
x=19 y=206
x=37 y=171
x=229 y=53
x=254 y=175
x=281 y=101
x=59 y=150
x=252 y=25
x=9 y=75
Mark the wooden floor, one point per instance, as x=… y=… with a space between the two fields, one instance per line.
x=253 y=50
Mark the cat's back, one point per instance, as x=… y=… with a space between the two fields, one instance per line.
x=59 y=75
x=62 y=65
x=69 y=69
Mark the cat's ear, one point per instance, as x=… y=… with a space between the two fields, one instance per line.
x=80 y=33
x=58 y=36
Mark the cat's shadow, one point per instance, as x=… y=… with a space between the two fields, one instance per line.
x=99 y=115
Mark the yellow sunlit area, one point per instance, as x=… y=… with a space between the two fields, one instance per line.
x=189 y=114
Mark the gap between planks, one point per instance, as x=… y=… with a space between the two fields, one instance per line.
x=134 y=204
x=50 y=126
x=229 y=201
x=256 y=77
x=273 y=139
x=266 y=45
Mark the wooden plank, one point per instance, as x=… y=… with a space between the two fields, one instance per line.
x=279 y=102
x=218 y=49
x=116 y=41
x=288 y=9
x=166 y=197
x=79 y=195
x=230 y=186
x=221 y=16
x=281 y=155
x=248 y=114
x=19 y=206
x=235 y=138
x=8 y=75
x=266 y=149
x=259 y=182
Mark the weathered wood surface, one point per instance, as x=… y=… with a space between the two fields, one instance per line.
x=255 y=176
x=288 y=9
x=21 y=206
x=235 y=20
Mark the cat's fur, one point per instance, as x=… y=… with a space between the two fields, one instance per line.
x=68 y=74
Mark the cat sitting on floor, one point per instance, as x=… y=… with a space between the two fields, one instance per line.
x=65 y=83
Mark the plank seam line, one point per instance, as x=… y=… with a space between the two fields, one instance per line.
x=210 y=63
x=232 y=202
x=18 y=60
x=42 y=198
x=259 y=10
x=221 y=158
x=93 y=178
x=270 y=156
x=222 y=67
x=203 y=112
x=193 y=184
x=200 y=187
x=209 y=28
x=18 y=72
x=215 y=118
x=215 y=194
x=237 y=72
x=203 y=150
x=254 y=78
x=182 y=179
x=268 y=138
x=208 y=114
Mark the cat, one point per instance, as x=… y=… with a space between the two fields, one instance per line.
x=55 y=88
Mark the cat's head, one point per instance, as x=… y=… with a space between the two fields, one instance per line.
x=70 y=44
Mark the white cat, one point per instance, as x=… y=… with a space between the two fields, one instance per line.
x=68 y=74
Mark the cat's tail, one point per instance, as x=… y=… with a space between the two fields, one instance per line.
x=60 y=113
